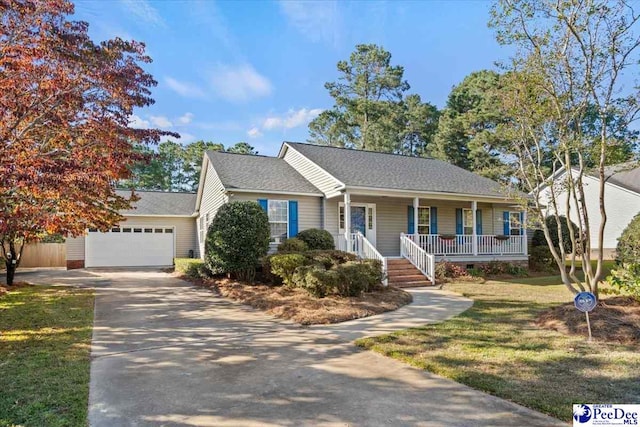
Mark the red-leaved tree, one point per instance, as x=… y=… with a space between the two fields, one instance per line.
x=65 y=104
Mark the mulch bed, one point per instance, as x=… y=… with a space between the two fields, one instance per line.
x=615 y=320
x=301 y=307
x=4 y=288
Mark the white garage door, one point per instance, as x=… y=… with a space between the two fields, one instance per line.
x=130 y=247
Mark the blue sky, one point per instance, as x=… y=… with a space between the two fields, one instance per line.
x=254 y=71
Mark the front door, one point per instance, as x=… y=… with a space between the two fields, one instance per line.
x=359 y=219
x=362 y=218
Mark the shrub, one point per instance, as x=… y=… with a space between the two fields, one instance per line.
x=628 y=249
x=475 y=272
x=191 y=267
x=267 y=275
x=540 y=258
x=316 y=238
x=285 y=265
x=448 y=270
x=329 y=258
x=538 y=238
x=293 y=245
x=356 y=277
x=237 y=237
x=316 y=280
x=626 y=280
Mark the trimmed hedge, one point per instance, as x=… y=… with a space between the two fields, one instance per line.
x=191 y=267
x=285 y=265
x=317 y=239
x=237 y=238
x=628 y=248
x=293 y=245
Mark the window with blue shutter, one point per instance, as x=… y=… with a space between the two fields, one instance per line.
x=479 y=222
x=293 y=218
x=459 y=226
x=411 y=227
x=264 y=204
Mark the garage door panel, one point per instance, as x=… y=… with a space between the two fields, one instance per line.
x=129 y=249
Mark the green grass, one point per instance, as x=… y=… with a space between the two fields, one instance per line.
x=45 y=338
x=495 y=347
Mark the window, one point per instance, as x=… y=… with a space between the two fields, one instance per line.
x=158 y=230
x=424 y=220
x=93 y=230
x=278 y=211
x=467 y=222
x=126 y=230
x=370 y=218
x=168 y=230
x=115 y=230
x=148 y=230
x=515 y=227
x=341 y=218
x=202 y=229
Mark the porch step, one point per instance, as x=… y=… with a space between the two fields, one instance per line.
x=402 y=274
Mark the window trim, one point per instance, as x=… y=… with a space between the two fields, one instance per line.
x=419 y=224
x=470 y=226
x=286 y=203
x=519 y=226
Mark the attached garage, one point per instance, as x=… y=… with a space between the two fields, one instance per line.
x=130 y=247
x=161 y=227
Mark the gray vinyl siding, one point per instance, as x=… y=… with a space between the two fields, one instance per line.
x=185 y=235
x=311 y=172
x=391 y=218
x=213 y=197
x=309 y=207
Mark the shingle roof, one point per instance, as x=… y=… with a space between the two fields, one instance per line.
x=260 y=173
x=161 y=203
x=625 y=175
x=391 y=171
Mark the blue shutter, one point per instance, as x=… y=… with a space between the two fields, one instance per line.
x=434 y=220
x=478 y=222
x=264 y=204
x=522 y=223
x=459 y=229
x=293 y=218
x=411 y=228
x=506 y=227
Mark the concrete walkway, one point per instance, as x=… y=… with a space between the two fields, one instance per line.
x=166 y=353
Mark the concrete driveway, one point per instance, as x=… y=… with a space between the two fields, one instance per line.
x=167 y=353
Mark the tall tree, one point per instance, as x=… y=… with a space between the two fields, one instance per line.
x=242 y=148
x=370 y=110
x=65 y=104
x=466 y=134
x=572 y=61
x=419 y=126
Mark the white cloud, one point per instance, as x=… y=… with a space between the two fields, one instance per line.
x=185 y=89
x=138 y=122
x=185 y=119
x=160 y=121
x=239 y=83
x=291 y=119
x=143 y=10
x=254 y=133
x=316 y=20
x=186 y=138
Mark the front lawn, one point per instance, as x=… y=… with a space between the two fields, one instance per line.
x=45 y=342
x=496 y=347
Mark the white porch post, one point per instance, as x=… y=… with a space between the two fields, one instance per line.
x=525 y=240
x=474 y=243
x=416 y=204
x=347 y=220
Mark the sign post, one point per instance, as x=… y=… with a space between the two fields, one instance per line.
x=585 y=302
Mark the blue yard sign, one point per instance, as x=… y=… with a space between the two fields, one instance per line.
x=585 y=301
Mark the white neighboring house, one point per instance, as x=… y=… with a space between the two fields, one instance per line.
x=622 y=203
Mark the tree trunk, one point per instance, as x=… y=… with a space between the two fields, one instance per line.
x=11 y=272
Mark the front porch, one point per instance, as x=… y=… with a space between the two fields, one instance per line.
x=428 y=230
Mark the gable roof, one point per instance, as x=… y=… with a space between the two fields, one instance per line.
x=259 y=173
x=371 y=169
x=160 y=203
x=624 y=175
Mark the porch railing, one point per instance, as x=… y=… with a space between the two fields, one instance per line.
x=454 y=245
x=362 y=247
x=423 y=261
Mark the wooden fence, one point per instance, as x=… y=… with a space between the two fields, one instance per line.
x=44 y=255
